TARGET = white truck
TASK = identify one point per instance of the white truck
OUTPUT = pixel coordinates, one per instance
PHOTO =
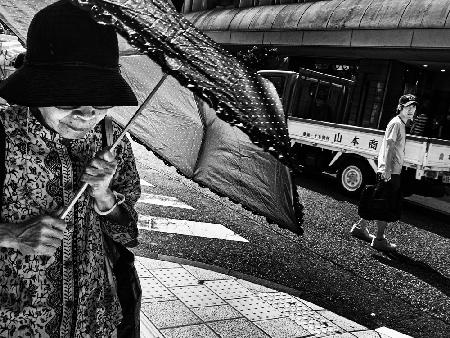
(351, 152)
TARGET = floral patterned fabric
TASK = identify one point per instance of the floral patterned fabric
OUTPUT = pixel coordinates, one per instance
(68, 294)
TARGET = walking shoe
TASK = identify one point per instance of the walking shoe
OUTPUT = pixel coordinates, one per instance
(361, 233)
(383, 245)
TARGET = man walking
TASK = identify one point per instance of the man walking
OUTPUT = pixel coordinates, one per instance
(390, 163)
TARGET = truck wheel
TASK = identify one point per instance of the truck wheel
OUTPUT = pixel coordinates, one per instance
(353, 176)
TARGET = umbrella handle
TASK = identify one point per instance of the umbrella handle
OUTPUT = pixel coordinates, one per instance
(136, 114)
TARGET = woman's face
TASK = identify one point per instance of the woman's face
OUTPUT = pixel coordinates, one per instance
(72, 122)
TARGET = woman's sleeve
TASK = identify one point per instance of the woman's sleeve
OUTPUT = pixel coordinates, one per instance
(126, 182)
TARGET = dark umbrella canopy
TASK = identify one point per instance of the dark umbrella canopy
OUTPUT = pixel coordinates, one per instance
(197, 62)
(188, 134)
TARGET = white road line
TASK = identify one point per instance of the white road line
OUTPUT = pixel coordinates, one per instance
(166, 201)
(145, 183)
(190, 228)
(391, 333)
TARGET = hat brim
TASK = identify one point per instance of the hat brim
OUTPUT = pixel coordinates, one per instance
(410, 103)
(77, 85)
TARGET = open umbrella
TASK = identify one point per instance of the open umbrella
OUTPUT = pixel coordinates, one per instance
(186, 132)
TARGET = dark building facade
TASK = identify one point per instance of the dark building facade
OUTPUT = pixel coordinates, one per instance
(365, 52)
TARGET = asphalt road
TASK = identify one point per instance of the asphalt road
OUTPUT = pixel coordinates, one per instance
(409, 292)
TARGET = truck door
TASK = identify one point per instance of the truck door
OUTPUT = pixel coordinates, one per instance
(285, 84)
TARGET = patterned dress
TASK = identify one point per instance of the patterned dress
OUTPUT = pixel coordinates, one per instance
(68, 294)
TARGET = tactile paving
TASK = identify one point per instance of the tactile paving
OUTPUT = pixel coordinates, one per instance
(303, 315)
(151, 264)
(228, 289)
(197, 296)
(316, 324)
(142, 271)
(152, 289)
(255, 308)
(285, 303)
(174, 277)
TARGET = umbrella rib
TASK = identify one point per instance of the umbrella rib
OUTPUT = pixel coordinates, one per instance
(136, 114)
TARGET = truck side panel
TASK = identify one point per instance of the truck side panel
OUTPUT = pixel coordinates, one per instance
(349, 139)
(438, 156)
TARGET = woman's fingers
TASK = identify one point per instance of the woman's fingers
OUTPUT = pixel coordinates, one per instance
(58, 212)
(93, 171)
(45, 250)
(106, 154)
(51, 242)
(100, 163)
(54, 223)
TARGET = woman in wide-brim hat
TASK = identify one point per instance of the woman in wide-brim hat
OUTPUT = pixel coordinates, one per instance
(55, 279)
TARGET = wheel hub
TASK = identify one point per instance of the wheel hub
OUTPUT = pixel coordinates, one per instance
(352, 178)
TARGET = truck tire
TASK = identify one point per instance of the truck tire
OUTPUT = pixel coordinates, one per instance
(353, 175)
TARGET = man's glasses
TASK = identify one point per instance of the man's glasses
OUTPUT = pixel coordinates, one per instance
(76, 107)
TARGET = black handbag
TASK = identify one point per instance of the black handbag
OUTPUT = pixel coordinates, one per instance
(128, 287)
(380, 202)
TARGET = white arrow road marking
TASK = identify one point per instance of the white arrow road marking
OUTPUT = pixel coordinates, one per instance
(145, 183)
(166, 201)
(190, 228)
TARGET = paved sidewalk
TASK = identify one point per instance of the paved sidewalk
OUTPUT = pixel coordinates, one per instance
(185, 301)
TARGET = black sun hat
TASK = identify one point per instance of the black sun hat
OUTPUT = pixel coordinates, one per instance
(70, 60)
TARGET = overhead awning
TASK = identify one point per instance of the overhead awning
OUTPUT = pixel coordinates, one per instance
(17, 15)
(399, 24)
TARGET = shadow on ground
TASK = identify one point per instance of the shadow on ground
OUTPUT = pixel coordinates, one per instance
(416, 215)
(419, 269)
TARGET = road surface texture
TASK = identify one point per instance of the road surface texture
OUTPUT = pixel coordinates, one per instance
(408, 292)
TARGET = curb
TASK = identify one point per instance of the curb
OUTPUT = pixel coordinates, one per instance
(229, 272)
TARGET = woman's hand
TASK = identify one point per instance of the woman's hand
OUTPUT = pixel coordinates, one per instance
(41, 235)
(99, 173)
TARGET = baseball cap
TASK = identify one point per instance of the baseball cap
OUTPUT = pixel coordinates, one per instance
(407, 100)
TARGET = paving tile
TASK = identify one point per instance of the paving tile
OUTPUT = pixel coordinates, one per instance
(340, 321)
(214, 313)
(316, 324)
(254, 308)
(254, 287)
(174, 277)
(197, 296)
(301, 313)
(191, 331)
(147, 329)
(141, 270)
(282, 328)
(153, 290)
(341, 335)
(156, 264)
(228, 289)
(369, 334)
(285, 303)
(169, 314)
(311, 305)
(204, 274)
(237, 328)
